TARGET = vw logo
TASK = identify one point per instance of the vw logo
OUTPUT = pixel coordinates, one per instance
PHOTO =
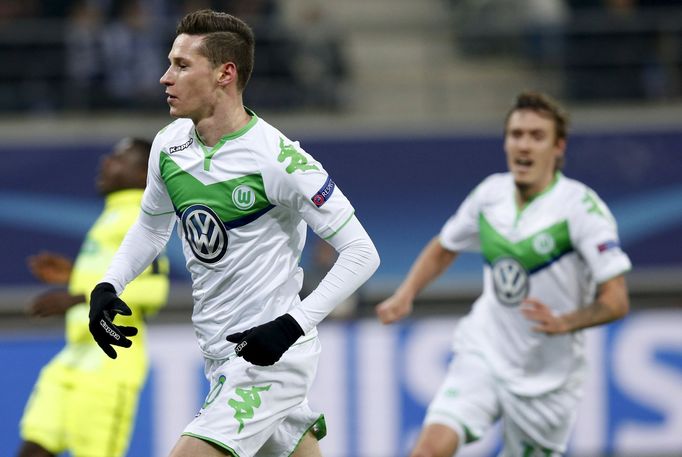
(205, 233)
(243, 197)
(510, 280)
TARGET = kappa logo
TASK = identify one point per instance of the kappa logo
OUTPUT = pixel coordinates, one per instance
(205, 233)
(109, 330)
(243, 197)
(185, 145)
(297, 161)
(510, 280)
(240, 347)
(250, 400)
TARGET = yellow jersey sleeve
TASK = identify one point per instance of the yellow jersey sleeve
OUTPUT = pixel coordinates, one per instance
(145, 295)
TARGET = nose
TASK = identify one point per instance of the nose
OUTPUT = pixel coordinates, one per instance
(524, 143)
(165, 78)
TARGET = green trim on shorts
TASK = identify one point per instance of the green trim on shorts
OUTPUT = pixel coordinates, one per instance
(212, 441)
(318, 429)
(469, 436)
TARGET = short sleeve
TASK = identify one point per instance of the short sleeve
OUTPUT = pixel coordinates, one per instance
(595, 236)
(156, 200)
(461, 230)
(296, 180)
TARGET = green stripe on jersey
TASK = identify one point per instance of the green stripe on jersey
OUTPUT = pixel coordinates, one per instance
(232, 199)
(533, 252)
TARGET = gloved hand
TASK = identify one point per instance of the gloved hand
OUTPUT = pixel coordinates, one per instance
(265, 343)
(104, 305)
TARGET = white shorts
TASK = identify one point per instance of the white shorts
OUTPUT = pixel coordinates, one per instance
(260, 411)
(470, 400)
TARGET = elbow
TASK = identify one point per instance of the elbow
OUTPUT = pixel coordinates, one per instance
(623, 308)
(617, 309)
(375, 260)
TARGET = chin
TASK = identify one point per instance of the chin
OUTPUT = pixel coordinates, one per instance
(521, 183)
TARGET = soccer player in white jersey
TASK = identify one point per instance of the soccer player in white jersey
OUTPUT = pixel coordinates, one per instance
(242, 194)
(549, 243)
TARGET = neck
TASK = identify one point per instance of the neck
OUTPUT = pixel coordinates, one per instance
(222, 122)
(527, 192)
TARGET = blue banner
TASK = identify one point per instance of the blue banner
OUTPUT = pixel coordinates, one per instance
(403, 190)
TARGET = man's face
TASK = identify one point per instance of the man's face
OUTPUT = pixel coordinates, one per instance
(191, 80)
(532, 149)
(120, 169)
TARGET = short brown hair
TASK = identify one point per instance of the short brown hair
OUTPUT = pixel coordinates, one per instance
(544, 105)
(228, 39)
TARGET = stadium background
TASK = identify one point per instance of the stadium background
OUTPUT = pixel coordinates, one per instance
(403, 103)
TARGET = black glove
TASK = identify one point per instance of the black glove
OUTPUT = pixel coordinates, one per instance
(265, 343)
(104, 305)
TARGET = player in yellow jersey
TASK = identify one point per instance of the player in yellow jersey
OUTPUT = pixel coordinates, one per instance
(84, 402)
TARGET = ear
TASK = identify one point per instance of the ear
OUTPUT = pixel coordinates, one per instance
(227, 74)
(560, 150)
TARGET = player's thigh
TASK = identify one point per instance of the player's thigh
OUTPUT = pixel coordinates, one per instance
(299, 432)
(308, 447)
(43, 419)
(101, 417)
(466, 402)
(189, 446)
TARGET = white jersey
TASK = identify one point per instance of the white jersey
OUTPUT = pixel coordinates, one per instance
(554, 250)
(242, 208)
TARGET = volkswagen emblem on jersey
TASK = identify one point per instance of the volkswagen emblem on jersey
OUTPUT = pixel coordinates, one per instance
(544, 243)
(510, 280)
(205, 233)
(243, 197)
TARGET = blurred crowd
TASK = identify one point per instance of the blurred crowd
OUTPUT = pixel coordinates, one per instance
(602, 49)
(110, 54)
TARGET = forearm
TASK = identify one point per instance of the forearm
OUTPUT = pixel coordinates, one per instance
(358, 260)
(611, 304)
(142, 244)
(431, 263)
(77, 299)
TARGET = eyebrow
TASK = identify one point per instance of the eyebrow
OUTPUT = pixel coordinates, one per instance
(530, 130)
(172, 57)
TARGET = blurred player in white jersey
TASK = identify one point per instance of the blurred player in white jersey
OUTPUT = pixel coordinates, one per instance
(242, 193)
(549, 243)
